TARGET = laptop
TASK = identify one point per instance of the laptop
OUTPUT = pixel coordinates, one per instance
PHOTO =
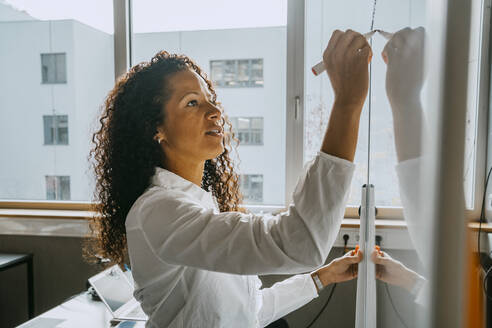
(116, 291)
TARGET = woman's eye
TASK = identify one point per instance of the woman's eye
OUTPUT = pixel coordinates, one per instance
(192, 102)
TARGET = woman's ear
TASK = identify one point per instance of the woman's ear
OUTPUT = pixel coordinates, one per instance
(160, 136)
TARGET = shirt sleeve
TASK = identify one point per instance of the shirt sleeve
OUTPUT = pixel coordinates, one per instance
(409, 175)
(181, 231)
(285, 297)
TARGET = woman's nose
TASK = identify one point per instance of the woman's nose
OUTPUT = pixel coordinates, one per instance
(214, 113)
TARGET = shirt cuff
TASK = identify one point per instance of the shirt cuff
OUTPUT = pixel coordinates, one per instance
(408, 165)
(310, 286)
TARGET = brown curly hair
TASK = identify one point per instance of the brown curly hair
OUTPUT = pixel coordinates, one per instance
(125, 153)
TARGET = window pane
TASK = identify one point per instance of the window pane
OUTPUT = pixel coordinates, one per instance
(257, 71)
(64, 188)
(249, 130)
(49, 131)
(48, 68)
(243, 72)
(243, 123)
(50, 188)
(321, 20)
(53, 68)
(230, 73)
(252, 188)
(217, 72)
(67, 70)
(61, 76)
(257, 123)
(62, 130)
(232, 49)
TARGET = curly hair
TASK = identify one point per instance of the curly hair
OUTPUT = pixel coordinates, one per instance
(125, 153)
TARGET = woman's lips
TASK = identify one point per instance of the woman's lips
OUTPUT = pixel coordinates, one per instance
(215, 134)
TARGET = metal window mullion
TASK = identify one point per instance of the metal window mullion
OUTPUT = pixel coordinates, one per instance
(295, 95)
(56, 141)
(236, 72)
(250, 81)
(122, 36)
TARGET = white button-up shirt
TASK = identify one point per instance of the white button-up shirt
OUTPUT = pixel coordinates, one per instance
(196, 267)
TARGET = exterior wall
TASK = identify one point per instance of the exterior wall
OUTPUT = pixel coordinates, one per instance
(9, 13)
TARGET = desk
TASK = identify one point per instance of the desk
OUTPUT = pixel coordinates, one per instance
(80, 311)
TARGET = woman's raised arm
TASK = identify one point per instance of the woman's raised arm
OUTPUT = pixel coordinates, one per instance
(181, 232)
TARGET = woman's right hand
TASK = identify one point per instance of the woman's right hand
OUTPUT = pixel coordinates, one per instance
(346, 59)
(392, 271)
(404, 56)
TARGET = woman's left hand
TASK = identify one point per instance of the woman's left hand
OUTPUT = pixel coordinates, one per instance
(340, 269)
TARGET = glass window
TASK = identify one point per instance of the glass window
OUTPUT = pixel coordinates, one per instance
(322, 18)
(256, 72)
(55, 129)
(67, 69)
(232, 50)
(57, 187)
(248, 130)
(243, 72)
(53, 68)
(237, 73)
(252, 188)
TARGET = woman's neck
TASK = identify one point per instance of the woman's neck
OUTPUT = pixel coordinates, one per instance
(186, 168)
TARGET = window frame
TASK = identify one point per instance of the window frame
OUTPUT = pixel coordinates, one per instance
(249, 177)
(55, 57)
(250, 83)
(56, 135)
(294, 114)
(58, 180)
(250, 130)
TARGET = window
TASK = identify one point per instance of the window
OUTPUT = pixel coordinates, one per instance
(57, 187)
(55, 129)
(249, 130)
(53, 49)
(54, 68)
(252, 187)
(232, 52)
(237, 73)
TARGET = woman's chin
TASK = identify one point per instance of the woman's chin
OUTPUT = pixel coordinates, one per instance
(217, 152)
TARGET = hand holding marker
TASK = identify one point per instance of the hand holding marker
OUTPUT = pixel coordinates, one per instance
(320, 67)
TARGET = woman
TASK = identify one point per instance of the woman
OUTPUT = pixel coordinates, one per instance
(167, 187)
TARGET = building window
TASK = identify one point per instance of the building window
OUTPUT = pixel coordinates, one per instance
(237, 73)
(54, 68)
(57, 187)
(252, 187)
(249, 130)
(55, 129)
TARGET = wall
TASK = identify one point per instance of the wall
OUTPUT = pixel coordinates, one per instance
(59, 272)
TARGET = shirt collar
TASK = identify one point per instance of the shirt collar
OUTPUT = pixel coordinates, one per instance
(169, 180)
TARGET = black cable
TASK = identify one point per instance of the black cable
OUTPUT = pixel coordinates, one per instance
(345, 242)
(378, 242)
(324, 306)
(393, 305)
